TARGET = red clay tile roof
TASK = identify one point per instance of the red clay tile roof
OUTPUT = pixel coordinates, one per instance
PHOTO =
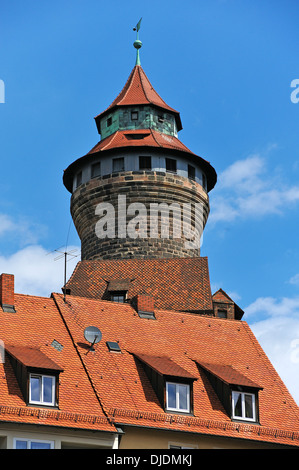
(139, 91)
(127, 394)
(32, 357)
(28, 334)
(101, 388)
(176, 283)
(150, 138)
(164, 366)
(228, 374)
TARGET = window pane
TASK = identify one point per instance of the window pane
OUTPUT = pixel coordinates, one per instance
(183, 397)
(48, 392)
(171, 395)
(118, 164)
(145, 163)
(40, 445)
(248, 406)
(35, 387)
(238, 404)
(191, 172)
(96, 170)
(21, 444)
(170, 164)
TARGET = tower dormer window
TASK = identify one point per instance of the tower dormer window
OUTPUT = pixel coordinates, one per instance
(79, 179)
(109, 121)
(171, 165)
(134, 115)
(145, 163)
(118, 164)
(96, 170)
(191, 172)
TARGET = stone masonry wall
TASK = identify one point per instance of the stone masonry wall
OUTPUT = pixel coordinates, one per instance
(141, 187)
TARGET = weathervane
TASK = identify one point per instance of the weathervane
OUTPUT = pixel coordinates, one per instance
(137, 43)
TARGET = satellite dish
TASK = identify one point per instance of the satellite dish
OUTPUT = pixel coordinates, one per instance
(93, 335)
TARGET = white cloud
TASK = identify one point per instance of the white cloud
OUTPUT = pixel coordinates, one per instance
(295, 280)
(36, 271)
(246, 189)
(278, 334)
(21, 229)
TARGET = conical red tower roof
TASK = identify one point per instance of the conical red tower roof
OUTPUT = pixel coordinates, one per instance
(139, 91)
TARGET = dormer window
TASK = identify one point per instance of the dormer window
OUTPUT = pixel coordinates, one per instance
(37, 375)
(119, 297)
(134, 115)
(237, 393)
(42, 389)
(173, 384)
(243, 406)
(109, 121)
(178, 397)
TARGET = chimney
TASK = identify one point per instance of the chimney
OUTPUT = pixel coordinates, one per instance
(144, 304)
(7, 292)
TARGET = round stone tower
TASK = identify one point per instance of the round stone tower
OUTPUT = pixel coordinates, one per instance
(139, 192)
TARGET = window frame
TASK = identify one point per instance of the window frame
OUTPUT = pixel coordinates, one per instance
(29, 441)
(167, 160)
(41, 389)
(133, 114)
(79, 176)
(192, 169)
(93, 166)
(143, 157)
(177, 409)
(118, 159)
(118, 294)
(253, 406)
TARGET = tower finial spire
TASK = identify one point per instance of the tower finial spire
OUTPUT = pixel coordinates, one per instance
(137, 43)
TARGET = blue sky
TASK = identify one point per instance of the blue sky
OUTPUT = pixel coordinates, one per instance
(227, 66)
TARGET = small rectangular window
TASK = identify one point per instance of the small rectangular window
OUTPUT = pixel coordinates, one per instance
(170, 165)
(134, 115)
(79, 179)
(222, 313)
(145, 163)
(96, 169)
(109, 121)
(118, 164)
(32, 444)
(243, 406)
(177, 397)
(118, 297)
(42, 389)
(204, 181)
(191, 172)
